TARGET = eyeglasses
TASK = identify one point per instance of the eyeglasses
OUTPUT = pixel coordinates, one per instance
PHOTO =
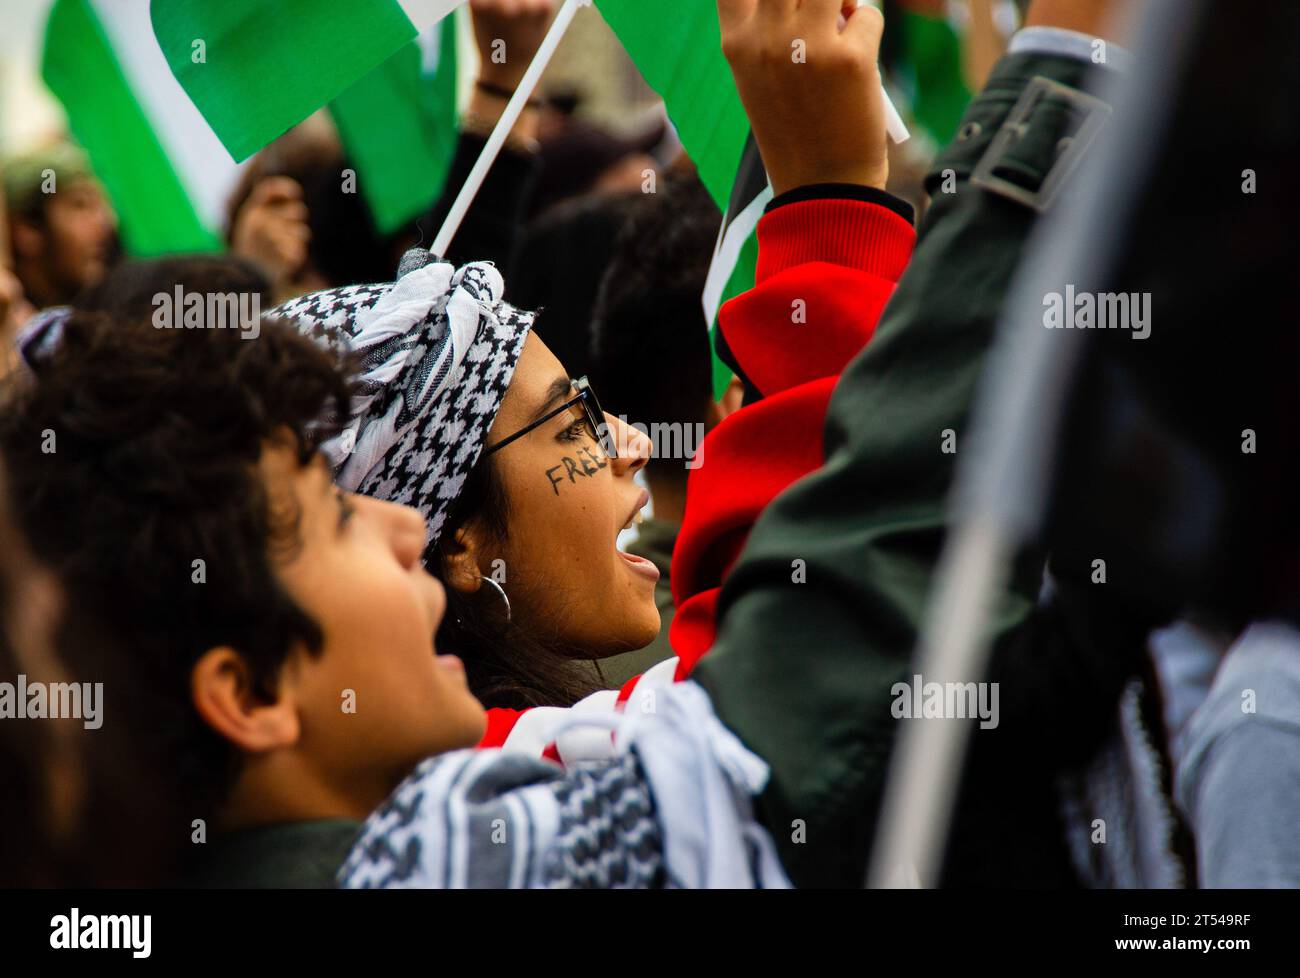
(592, 416)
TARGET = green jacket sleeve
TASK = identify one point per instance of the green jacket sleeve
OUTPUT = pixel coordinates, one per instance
(807, 652)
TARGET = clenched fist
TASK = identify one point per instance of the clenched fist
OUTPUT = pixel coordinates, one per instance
(508, 33)
(271, 229)
(811, 88)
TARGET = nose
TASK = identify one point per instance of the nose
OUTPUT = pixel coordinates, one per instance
(634, 448)
(405, 528)
(105, 219)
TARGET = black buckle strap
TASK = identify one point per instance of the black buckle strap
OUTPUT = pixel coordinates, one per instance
(992, 171)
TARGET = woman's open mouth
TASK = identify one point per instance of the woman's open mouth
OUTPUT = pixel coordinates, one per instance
(641, 502)
(640, 565)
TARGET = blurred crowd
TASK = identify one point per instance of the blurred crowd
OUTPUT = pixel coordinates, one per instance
(393, 569)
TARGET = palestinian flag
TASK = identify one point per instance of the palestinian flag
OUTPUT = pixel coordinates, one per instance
(399, 126)
(677, 47)
(254, 68)
(164, 170)
(927, 64)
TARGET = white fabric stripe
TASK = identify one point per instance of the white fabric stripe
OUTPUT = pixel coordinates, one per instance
(585, 744)
(535, 730)
(521, 844)
(435, 842)
(1066, 43)
(202, 164)
(426, 13)
(458, 818)
(731, 240)
(543, 827)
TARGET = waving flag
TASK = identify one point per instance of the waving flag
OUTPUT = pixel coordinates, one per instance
(399, 125)
(930, 69)
(677, 47)
(256, 67)
(163, 168)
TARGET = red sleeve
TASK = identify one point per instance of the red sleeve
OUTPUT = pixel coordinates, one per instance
(826, 268)
(500, 721)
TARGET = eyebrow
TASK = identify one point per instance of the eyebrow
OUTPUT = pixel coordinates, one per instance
(561, 389)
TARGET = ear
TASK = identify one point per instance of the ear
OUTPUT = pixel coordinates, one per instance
(222, 689)
(732, 399)
(462, 553)
(27, 239)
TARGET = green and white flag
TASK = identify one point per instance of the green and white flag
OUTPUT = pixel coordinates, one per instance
(399, 125)
(254, 68)
(164, 170)
(677, 47)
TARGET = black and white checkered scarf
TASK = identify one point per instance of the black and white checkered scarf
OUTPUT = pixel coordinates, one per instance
(438, 349)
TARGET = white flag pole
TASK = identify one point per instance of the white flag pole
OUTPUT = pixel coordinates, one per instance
(514, 108)
(894, 124)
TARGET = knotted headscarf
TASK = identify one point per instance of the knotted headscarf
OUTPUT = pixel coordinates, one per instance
(438, 349)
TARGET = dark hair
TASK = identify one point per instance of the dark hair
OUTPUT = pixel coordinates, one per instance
(129, 288)
(649, 313)
(27, 848)
(561, 260)
(133, 454)
(506, 665)
(74, 813)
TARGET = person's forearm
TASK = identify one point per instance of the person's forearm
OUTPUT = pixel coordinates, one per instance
(1095, 17)
(487, 105)
(491, 228)
(804, 667)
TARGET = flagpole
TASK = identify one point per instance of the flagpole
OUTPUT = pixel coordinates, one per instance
(514, 108)
(894, 124)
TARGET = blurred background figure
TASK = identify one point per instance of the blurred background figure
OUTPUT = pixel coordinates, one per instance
(291, 216)
(559, 265)
(14, 307)
(579, 157)
(61, 226)
(650, 351)
(38, 779)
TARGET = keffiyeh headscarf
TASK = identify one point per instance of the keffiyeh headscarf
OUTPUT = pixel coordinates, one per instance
(438, 349)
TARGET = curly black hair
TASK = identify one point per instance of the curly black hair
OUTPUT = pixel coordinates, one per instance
(132, 454)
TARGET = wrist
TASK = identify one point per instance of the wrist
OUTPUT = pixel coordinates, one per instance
(485, 110)
(503, 93)
(785, 179)
(499, 76)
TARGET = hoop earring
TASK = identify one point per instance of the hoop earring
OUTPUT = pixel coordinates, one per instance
(501, 591)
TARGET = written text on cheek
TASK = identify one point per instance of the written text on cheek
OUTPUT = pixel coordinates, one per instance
(586, 464)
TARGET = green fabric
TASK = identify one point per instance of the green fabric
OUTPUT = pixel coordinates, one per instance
(802, 672)
(677, 47)
(654, 541)
(399, 127)
(80, 68)
(268, 64)
(936, 82)
(289, 856)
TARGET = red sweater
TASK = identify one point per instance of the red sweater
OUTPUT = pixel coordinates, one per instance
(826, 268)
